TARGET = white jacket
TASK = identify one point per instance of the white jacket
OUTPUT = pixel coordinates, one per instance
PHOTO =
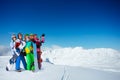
(12, 47)
(22, 44)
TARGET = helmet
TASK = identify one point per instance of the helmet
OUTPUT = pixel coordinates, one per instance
(31, 34)
(13, 36)
(26, 34)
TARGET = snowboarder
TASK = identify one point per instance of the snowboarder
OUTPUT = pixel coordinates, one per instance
(15, 54)
(19, 50)
(38, 43)
(29, 53)
(35, 53)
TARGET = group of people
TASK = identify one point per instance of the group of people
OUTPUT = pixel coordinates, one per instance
(23, 50)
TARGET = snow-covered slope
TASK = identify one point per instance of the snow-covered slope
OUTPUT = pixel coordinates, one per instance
(54, 72)
(70, 64)
(98, 58)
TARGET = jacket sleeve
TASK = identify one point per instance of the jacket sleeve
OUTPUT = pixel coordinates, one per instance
(15, 51)
(42, 39)
(22, 45)
(12, 47)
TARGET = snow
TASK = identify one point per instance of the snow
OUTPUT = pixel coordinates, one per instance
(70, 63)
(56, 72)
(98, 58)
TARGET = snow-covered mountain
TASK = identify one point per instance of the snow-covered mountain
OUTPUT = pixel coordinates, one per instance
(98, 58)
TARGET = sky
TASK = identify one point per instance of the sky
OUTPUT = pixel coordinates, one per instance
(67, 23)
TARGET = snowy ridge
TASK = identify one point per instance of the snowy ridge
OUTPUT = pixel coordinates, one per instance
(98, 58)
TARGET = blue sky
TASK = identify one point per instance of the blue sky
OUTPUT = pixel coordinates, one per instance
(86, 23)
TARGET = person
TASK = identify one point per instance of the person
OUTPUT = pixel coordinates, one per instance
(29, 53)
(42, 38)
(14, 53)
(20, 44)
(34, 52)
(38, 43)
(12, 46)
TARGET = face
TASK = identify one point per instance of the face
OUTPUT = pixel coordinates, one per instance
(35, 36)
(27, 38)
(31, 37)
(14, 38)
(20, 36)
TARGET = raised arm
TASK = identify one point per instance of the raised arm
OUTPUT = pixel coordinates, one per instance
(42, 38)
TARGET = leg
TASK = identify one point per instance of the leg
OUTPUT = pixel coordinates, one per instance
(11, 61)
(39, 59)
(15, 57)
(18, 63)
(32, 61)
(23, 61)
(28, 58)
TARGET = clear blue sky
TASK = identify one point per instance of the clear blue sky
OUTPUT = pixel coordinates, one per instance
(86, 23)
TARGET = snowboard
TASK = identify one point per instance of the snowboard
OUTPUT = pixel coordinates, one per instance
(11, 62)
(35, 57)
